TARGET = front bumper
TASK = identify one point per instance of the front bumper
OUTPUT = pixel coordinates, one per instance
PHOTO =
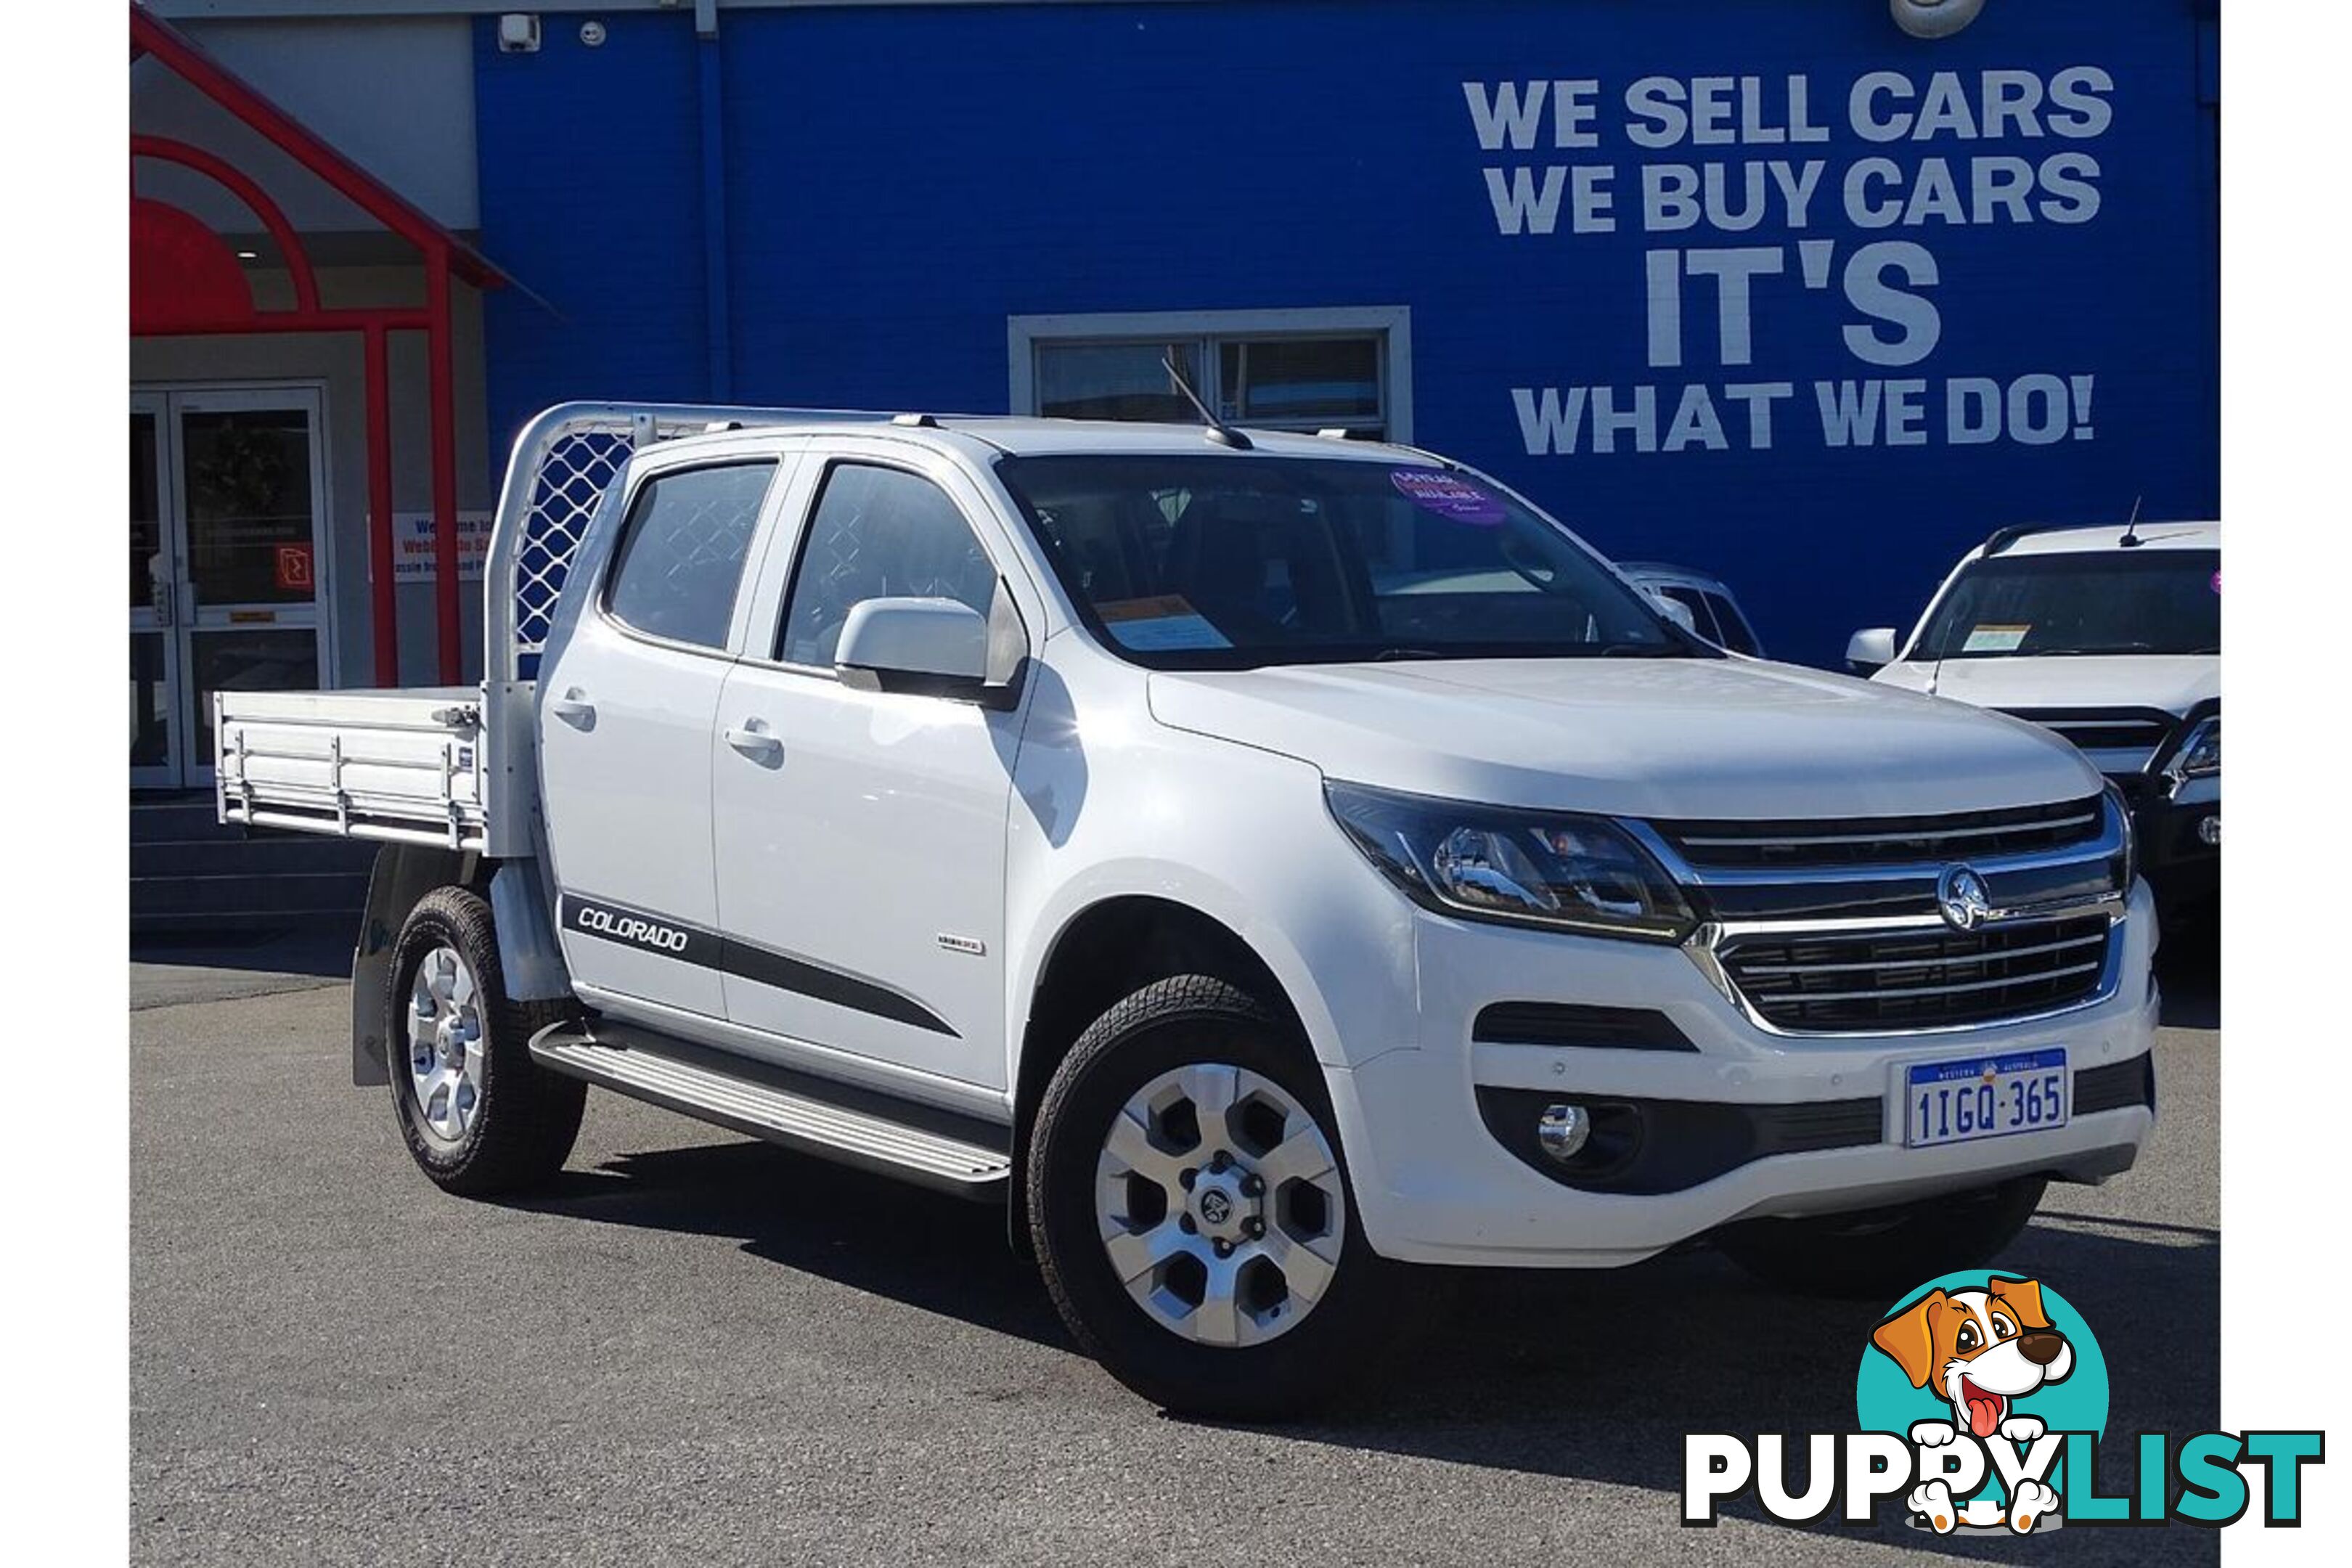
(1435, 1185)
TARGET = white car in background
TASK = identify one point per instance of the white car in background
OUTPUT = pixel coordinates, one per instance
(2112, 638)
(1715, 614)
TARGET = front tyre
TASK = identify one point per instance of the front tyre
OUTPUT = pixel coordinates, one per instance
(1190, 1206)
(1881, 1255)
(481, 1117)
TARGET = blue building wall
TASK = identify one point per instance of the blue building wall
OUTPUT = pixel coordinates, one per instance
(893, 183)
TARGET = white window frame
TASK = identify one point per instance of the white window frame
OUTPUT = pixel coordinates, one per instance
(1392, 323)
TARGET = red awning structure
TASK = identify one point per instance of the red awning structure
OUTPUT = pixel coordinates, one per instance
(186, 280)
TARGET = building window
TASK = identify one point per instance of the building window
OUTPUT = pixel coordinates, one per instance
(1279, 370)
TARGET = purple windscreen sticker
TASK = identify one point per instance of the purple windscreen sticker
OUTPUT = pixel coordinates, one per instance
(2217, 582)
(1433, 489)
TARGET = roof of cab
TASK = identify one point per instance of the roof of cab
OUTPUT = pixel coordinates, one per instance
(2108, 536)
(1030, 437)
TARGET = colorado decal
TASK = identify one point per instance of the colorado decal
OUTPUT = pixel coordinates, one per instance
(613, 923)
(745, 960)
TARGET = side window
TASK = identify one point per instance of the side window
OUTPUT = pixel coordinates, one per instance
(878, 533)
(682, 551)
(1693, 601)
(1738, 636)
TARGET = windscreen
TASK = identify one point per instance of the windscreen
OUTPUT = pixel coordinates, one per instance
(2107, 602)
(1232, 560)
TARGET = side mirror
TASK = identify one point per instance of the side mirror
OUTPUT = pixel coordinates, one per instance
(1868, 652)
(1673, 610)
(932, 646)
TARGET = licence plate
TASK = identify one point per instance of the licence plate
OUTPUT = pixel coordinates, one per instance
(1984, 1097)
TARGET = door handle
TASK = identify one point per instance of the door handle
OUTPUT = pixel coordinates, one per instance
(574, 709)
(755, 740)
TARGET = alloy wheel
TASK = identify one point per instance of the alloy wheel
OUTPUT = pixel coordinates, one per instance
(445, 1044)
(1220, 1205)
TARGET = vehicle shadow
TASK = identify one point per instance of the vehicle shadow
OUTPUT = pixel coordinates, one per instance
(926, 1249)
(1597, 1377)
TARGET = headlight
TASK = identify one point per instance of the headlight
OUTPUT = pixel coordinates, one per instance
(2199, 756)
(1529, 868)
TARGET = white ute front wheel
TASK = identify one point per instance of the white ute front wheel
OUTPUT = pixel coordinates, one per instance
(1188, 1203)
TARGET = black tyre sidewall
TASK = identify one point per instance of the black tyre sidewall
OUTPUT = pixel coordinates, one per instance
(1169, 1025)
(525, 1114)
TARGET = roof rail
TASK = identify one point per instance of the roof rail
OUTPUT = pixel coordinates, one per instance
(2003, 538)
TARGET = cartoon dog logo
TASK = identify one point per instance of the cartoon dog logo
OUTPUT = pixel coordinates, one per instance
(1980, 1351)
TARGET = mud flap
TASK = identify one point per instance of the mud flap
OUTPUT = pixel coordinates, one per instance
(403, 874)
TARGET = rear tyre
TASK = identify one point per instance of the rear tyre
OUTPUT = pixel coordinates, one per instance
(1190, 1207)
(481, 1117)
(1883, 1253)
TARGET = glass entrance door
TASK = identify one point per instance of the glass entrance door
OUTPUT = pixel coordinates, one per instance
(226, 539)
(155, 742)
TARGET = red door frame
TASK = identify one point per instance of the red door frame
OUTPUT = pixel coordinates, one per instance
(162, 306)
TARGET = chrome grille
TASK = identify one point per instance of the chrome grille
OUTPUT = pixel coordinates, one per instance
(1918, 977)
(1882, 841)
(2140, 730)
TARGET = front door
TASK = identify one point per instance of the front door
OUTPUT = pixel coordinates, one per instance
(227, 554)
(860, 834)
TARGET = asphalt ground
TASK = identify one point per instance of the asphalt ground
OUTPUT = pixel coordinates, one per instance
(700, 1348)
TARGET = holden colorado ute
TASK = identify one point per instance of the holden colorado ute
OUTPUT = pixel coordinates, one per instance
(1259, 862)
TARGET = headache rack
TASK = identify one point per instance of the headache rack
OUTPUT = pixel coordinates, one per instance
(455, 767)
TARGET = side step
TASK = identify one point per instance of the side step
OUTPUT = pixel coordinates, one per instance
(933, 1147)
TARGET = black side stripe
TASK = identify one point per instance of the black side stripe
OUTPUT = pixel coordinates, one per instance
(667, 938)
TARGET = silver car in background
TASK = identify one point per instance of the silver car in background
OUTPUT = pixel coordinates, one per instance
(1715, 614)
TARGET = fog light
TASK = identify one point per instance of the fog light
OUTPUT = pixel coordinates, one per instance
(1562, 1131)
(2208, 832)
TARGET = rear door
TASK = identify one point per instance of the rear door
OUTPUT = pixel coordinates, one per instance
(861, 833)
(627, 706)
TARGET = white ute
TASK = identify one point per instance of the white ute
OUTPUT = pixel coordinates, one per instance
(1259, 861)
(2112, 638)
